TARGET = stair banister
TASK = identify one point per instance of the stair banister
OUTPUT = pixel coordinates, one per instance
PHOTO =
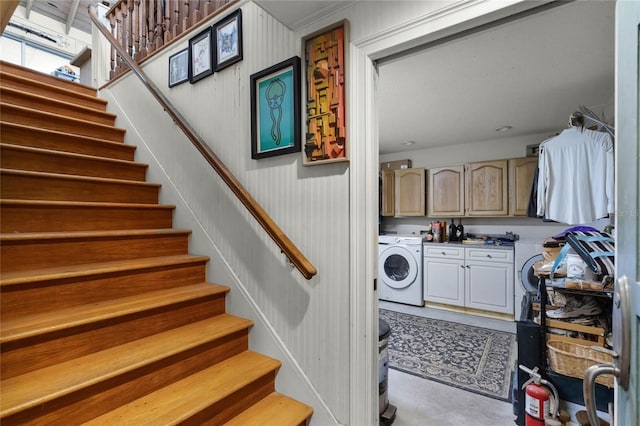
(289, 249)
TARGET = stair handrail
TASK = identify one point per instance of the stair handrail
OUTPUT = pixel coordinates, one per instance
(287, 247)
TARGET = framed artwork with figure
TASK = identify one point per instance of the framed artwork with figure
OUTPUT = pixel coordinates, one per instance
(179, 67)
(201, 55)
(275, 110)
(228, 40)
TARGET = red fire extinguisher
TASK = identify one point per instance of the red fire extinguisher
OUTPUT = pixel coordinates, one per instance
(538, 399)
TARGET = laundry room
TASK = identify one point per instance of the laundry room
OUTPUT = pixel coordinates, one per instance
(467, 126)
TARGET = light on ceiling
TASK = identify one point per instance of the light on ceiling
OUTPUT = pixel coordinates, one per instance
(408, 143)
(504, 129)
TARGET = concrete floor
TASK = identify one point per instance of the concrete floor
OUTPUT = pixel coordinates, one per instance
(422, 402)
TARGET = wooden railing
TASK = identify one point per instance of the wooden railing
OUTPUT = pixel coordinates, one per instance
(144, 26)
(289, 249)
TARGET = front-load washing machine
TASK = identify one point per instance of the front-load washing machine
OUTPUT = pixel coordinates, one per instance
(526, 254)
(400, 269)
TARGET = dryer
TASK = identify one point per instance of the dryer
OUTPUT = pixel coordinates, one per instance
(400, 266)
(526, 254)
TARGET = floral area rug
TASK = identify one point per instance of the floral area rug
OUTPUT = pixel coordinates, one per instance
(472, 358)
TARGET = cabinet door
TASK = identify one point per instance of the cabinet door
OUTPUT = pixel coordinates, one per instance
(388, 193)
(486, 188)
(446, 191)
(444, 281)
(521, 174)
(410, 192)
(489, 286)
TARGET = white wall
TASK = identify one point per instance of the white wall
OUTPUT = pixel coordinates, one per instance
(452, 155)
(309, 317)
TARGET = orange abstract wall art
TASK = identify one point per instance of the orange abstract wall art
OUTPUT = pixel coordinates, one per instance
(325, 106)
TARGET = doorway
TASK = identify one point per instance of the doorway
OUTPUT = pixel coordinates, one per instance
(452, 123)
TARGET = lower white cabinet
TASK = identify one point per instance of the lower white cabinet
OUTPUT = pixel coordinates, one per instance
(478, 278)
(444, 274)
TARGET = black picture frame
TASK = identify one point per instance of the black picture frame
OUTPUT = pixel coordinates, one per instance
(227, 35)
(275, 110)
(201, 55)
(179, 67)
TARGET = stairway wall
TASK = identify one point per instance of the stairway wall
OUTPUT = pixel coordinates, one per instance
(303, 323)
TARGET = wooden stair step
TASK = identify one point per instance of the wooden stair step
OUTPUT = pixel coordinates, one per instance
(49, 289)
(39, 77)
(18, 134)
(27, 185)
(44, 89)
(19, 157)
(59, 123)
(214, 395)
(55, 106)
(33, 250)
(82, 376)
(51, 322)
(274, 409)
(73, 216)
(33, 342)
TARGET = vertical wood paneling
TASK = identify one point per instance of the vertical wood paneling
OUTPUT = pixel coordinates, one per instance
(309, 203)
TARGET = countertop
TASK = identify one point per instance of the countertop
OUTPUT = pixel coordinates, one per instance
(459, 244)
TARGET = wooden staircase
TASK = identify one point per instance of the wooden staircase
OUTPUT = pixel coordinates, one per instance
(106, 317)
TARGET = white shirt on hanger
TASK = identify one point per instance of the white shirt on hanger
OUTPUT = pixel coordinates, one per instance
(575, 177)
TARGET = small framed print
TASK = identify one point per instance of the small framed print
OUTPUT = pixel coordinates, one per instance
(179, 67)
(201, 56)
(228, 40)
(275, 110)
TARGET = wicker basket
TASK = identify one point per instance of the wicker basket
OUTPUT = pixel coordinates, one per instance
(572, 360)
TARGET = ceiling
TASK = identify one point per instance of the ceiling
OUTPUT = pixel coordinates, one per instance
(529, 72)
(72, 13)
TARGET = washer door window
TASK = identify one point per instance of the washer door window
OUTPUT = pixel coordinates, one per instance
(397, 267)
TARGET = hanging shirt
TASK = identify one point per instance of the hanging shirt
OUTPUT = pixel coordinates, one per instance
(575, 177)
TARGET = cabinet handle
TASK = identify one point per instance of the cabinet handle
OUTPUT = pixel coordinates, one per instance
(489, 256)
(462, 266)
(444, 254)
(468, 267)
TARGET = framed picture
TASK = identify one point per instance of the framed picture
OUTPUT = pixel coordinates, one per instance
(326, 132)
(179, 67)
(201, 55)
(228, 40)
(275, 110)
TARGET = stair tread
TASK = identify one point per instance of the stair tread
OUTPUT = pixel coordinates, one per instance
(90, 204)
(88, 139)
(94, 269)
(196, 392)
(48, 322)
(77, 177)
(55, 116)
(71, 155)
(274, 409)
(60, 103)
(56, 236)
(40, 78)
(37, 387)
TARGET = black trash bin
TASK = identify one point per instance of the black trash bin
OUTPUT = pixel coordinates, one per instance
(387, 411)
